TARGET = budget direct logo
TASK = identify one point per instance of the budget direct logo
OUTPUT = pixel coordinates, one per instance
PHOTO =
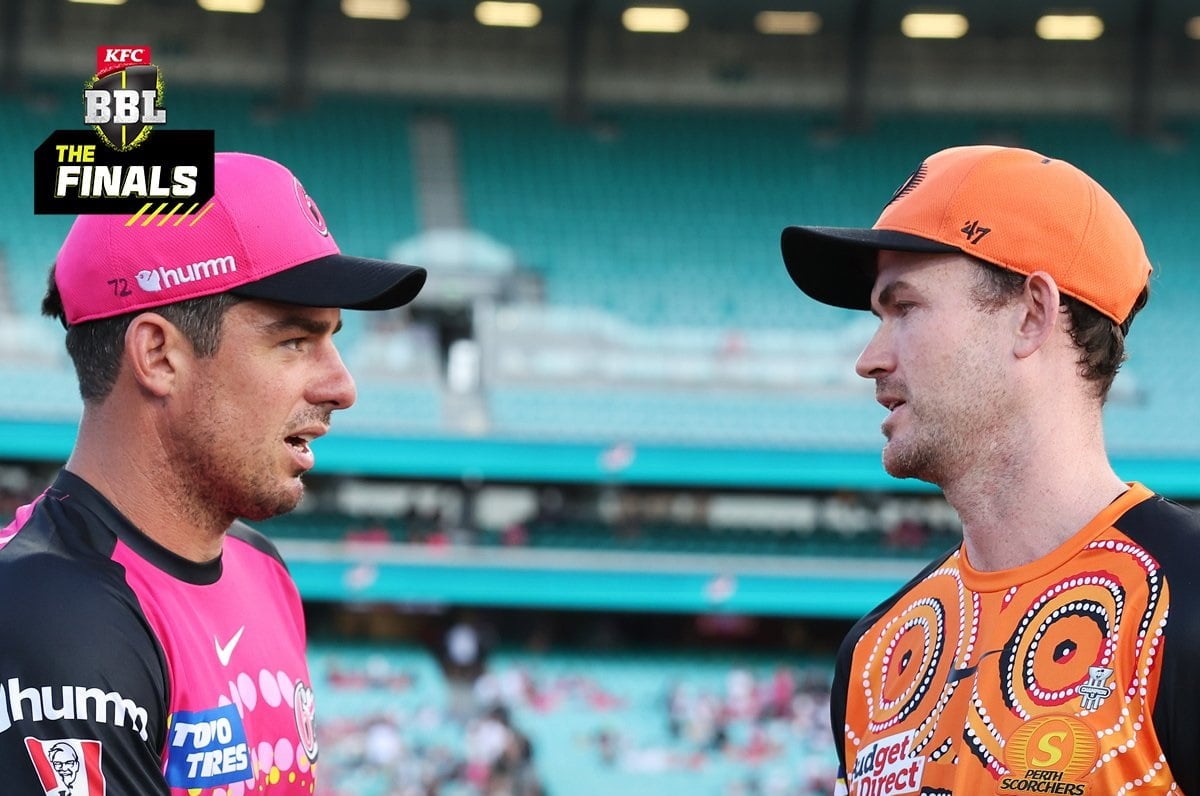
(123, 101)
(888, 767)
(128, 161)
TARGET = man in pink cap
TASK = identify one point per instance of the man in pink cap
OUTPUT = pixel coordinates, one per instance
(159, 639)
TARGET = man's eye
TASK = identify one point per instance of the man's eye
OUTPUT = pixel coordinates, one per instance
(296, 343)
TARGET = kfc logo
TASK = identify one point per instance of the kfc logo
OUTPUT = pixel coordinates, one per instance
(112, 59)
(67, 766)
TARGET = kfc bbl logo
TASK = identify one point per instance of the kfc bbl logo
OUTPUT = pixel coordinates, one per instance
(126, 162)
(67, 766)
(124, 100)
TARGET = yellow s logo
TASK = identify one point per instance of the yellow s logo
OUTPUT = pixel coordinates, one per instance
(1053, 752)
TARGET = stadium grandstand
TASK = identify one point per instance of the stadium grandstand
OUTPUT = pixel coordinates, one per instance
(611, 492)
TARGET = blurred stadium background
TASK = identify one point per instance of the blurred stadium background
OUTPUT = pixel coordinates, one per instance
(612, 492)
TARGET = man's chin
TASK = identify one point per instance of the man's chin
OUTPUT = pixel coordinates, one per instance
(281, 503)
(900, 463)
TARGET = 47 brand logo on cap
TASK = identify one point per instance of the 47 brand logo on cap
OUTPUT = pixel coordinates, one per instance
(126, 163)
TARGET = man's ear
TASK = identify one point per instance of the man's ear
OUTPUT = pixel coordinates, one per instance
(155, 351)
(1039, 304)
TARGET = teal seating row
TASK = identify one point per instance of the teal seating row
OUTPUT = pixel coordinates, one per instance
(729, 541)
(678, 416)
(646, 538)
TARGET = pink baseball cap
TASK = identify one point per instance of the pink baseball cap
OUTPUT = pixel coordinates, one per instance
(260, 236)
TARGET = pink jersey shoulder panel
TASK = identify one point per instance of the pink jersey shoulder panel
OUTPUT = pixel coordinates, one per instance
(241, 703)
(22, 516)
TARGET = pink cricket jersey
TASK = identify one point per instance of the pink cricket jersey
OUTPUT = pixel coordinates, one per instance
(127, 670)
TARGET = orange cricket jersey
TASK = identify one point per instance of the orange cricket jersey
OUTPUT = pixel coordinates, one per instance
(1075, 675)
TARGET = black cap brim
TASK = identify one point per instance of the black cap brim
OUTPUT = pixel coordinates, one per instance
(836, 265)
(353, 283)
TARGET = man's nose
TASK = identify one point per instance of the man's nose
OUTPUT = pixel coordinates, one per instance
(333, 386)
(877, 358)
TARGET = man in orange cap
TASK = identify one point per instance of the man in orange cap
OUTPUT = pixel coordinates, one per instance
(1052, 652)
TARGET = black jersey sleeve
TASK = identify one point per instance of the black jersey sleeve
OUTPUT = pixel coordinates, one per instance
(841, 685)
(257, 540)
(1171, 533)
(83, 681)
(845, 658)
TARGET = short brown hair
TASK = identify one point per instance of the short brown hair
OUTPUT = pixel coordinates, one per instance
(95, 347)
(1100, 340)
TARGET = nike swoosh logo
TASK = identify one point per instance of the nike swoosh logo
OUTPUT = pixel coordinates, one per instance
(226, 652)
(962, 674)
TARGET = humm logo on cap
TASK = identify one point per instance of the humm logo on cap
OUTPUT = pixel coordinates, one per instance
(152, 280)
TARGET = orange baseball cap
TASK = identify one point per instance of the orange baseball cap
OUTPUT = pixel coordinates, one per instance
(1010, 207)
